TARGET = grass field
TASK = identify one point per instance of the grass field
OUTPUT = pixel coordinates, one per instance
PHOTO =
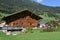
(36, 35)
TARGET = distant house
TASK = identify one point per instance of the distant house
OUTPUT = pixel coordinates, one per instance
(24, 18)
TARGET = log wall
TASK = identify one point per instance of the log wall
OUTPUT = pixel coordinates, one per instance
(25, 22)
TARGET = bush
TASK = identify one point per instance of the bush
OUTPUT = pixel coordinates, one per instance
(47, 29)
(29, 29)
(51, 26)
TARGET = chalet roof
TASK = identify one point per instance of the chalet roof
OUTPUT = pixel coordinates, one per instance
(21, 14)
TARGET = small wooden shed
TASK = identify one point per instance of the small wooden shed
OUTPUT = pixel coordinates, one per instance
(24, 18)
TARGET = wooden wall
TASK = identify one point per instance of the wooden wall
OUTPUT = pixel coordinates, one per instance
(25, 22)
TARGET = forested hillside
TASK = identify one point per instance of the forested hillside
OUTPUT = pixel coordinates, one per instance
(11, 6)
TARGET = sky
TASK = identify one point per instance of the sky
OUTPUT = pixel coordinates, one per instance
(49, 2)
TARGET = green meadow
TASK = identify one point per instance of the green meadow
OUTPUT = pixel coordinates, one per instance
(36, 35)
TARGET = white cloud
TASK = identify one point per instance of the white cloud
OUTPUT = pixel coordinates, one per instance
(38, 1)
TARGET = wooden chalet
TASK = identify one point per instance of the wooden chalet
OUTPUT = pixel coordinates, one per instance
(22, 19)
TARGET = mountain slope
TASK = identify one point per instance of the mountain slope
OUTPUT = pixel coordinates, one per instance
(11, 6)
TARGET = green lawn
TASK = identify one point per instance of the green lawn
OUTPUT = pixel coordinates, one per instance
(36, 35)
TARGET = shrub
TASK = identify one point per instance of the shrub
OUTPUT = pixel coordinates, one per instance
(51, 26)
(47, 29)
(29, 29)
